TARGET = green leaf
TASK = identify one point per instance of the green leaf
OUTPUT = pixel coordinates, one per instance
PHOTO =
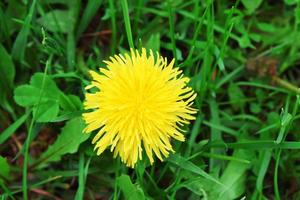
(198, 186)
(27, 95)
(251, 5)
(50, 86)
(46, 111)
(4, 172)
(234, 175)
(68, 141)
(57, 21)
(204, 188)
(232, 180)
(244, 42)
(32, 95)
(266, 27)
(130, 191)
(70, 103)
(255, 37)
(67, 116)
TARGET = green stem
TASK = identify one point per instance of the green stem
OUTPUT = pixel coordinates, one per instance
(28, 139)
(287, 85)
(276, 189)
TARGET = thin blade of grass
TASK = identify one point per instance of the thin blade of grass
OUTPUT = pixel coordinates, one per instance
(13, 127)
(124, 6)
(88, 14)
(81, 176)
(221, 128)
(194, 133)
(19, 46)
(113, 26)
(172, 30)
(71, 51)
(260, 85)
(264, 165)
(189, 166)
(229, 77)
(257, 144)
(216, 133)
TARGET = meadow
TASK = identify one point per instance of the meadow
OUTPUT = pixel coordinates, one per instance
(242, 59)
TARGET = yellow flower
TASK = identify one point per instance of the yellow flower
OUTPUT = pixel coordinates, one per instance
(141, 103)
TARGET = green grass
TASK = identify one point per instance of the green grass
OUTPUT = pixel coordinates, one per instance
(242, 58)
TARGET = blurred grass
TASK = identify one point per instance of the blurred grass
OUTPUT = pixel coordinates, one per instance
(242, 58)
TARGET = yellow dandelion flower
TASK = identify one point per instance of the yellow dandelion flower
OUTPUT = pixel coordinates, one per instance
(141, 103)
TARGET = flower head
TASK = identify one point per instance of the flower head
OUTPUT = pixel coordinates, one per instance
(141, 103)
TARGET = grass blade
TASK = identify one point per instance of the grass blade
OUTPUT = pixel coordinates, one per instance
(172, 30)
(20, 44)
(127, 22)
(12, 128)
(81, 177)
(88, 14)
(189, 166)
